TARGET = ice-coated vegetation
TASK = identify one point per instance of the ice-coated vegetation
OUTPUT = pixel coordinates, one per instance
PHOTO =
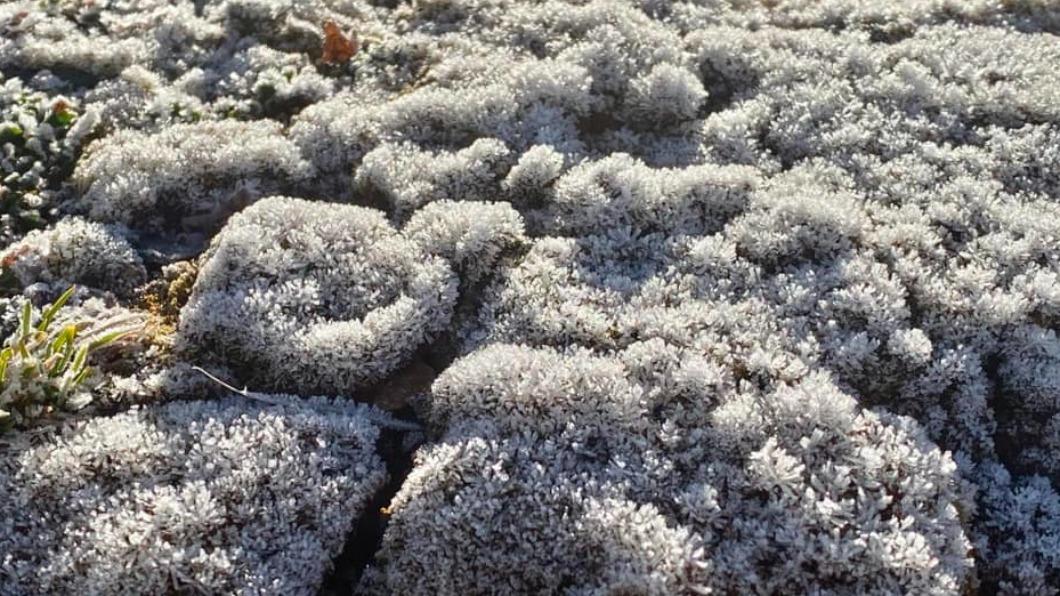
(308, 296)
(589, 482)
(76, 251)
(472, 236)
(193, 497)
(717, 296)
(44, 363)
(188, 175)
(396, 174)
(41, 132)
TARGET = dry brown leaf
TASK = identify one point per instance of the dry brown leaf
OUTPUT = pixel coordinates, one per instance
(12, 256)
(17, 18)
(338, 49)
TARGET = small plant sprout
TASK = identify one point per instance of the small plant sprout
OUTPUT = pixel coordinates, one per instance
(44, 369)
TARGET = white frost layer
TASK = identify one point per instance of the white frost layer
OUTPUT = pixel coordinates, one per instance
(209, 497)
(77, 251)
(312, 297)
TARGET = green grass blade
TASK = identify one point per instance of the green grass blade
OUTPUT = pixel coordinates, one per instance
(5, 358)
(80, 358)
(64, 337)
(49, 314)
(109, 338)
(27, 314)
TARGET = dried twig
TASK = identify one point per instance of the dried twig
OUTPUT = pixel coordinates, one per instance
(379, 418)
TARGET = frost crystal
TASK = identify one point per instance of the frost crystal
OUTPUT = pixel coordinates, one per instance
(187, 176)
(471, 236)
(76, 251)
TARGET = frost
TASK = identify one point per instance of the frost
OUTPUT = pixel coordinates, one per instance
(1020, 533)
(76, 251)
(666, 94)
(718, 294)
(222, 496)
(186, 173)
(471, 236)
(530, 178)
(475, 506)
(261, 80)
(572, 469)
(621, 191)
(49, 40)
(540, 390)
(304, 296)
(471, 174)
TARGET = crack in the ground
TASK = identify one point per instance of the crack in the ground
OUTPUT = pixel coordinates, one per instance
(367, 535)
(366, 538)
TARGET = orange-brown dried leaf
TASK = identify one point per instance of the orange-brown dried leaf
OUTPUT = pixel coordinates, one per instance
(13, 256)
(338, 49)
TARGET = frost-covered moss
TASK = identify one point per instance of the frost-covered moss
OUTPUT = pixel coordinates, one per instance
(396, 174)
(474, 506)
(758, 237)
(472, 236)
(76, 251)
(314, 297)
(221, 496)
(1018, 531)
(187, 176)
(558, 466)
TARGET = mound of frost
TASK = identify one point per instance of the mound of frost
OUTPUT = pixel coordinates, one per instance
(207, 497)
(560, 466)
(475, 506)
(188, 176)
(1019, 532)
(815, 192)
(745, 245)
(396, 174)
(472, 236)
(313, 297)
(76, 251)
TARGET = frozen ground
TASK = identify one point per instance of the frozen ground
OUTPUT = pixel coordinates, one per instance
(721, 296)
